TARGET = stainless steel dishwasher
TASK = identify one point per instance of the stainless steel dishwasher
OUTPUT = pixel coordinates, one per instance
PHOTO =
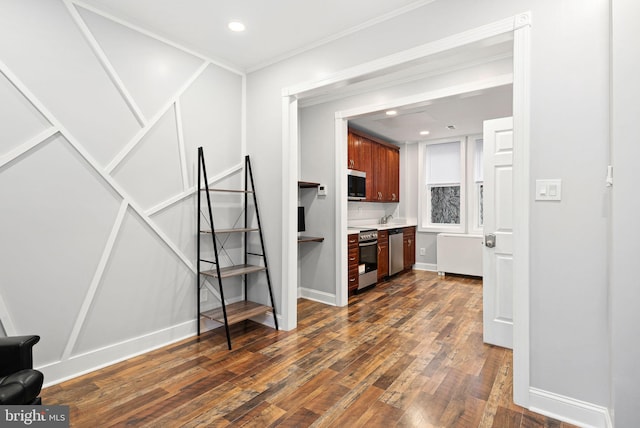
(396, 251)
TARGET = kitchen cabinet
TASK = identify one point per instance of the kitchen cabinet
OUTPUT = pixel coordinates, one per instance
(409, 240)
(383, 254)
(380, 160)
(386, 166)
(393, 175)
(380, 169)
(359, 152)
(352, 262)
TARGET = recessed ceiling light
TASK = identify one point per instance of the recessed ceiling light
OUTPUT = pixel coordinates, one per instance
(391, 112)
(424, 132)
(236, 26)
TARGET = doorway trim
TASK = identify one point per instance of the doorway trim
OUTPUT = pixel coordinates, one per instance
(520, 26)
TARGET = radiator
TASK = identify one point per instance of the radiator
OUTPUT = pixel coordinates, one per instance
(459, 253)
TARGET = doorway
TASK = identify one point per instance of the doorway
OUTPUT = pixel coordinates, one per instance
(515, 28)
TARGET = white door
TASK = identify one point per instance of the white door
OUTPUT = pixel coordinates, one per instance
(498, 232)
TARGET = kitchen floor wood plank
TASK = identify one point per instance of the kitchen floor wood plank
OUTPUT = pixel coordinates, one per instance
(351, 415)
(503, 418)
(380, 415)
(260, 417)
(406, 353)
(300, 418)
(306, 391)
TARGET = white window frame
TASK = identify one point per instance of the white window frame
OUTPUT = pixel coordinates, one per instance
(473, 209)
(424, 194)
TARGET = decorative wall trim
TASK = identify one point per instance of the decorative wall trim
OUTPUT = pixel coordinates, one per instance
(95, 282)
(94, 360)
(106, 64)
(156, 36)
(90, 160)
(117, 160)
(70, 365)
(317, 296)
(181, 147)
(569, 409)
(190, 191)
(30, 144)
(431, 267)
(5, 319)
(522, 20)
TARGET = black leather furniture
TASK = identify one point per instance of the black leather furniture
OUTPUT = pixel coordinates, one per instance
(20, 384)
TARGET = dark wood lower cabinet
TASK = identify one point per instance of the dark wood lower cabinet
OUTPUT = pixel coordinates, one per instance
(409, 239)
(353, 260)
(383, 254)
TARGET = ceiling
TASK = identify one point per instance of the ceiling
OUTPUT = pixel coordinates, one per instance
(278, 29)
(275, 29)
(465, 112)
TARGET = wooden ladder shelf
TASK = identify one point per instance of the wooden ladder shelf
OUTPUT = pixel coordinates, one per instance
(229, 314)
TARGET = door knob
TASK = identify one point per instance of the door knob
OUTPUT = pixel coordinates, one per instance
(490, 240)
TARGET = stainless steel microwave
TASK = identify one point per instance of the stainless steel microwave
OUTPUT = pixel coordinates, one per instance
(356, 185)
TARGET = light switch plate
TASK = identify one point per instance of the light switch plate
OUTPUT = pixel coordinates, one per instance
(549, 190)
(322, 190)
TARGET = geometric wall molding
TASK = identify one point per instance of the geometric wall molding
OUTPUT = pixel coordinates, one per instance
(91, 132)
(16, 109)
(150, 70)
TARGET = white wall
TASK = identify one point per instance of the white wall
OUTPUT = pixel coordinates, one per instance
(625, 293)
(97, 218)
(569, 133)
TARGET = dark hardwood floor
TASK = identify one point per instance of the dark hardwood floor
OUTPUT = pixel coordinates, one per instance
(407, 353)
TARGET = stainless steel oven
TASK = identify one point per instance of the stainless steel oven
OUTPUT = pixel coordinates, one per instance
(368, 252)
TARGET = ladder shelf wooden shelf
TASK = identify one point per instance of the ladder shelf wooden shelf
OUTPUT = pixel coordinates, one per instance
(231, 313)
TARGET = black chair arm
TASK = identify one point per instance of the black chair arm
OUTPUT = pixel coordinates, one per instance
(16, 353)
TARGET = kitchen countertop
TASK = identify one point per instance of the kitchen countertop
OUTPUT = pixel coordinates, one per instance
(384, 226)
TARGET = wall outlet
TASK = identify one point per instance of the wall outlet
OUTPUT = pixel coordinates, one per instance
(423, 252)
(204, 295)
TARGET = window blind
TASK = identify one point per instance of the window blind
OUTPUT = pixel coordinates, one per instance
(443, 163)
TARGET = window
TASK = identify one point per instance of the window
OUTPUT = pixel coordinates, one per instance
(478, 186)
(452, 185)
(443, 196)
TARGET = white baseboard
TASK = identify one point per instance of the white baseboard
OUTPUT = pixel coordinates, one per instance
(267, 319)
(568, 409)
(78, 365)
(317, 296)
(431, 267)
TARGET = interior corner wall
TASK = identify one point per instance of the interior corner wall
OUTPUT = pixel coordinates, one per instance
(100, 126)
(569, 354)
(625, 293)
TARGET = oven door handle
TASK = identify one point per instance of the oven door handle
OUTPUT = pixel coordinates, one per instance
(368, 244)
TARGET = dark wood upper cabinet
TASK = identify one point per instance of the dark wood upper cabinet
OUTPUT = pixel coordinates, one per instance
(380, 160)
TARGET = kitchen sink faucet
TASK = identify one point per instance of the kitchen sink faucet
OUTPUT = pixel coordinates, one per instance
(385, 219)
